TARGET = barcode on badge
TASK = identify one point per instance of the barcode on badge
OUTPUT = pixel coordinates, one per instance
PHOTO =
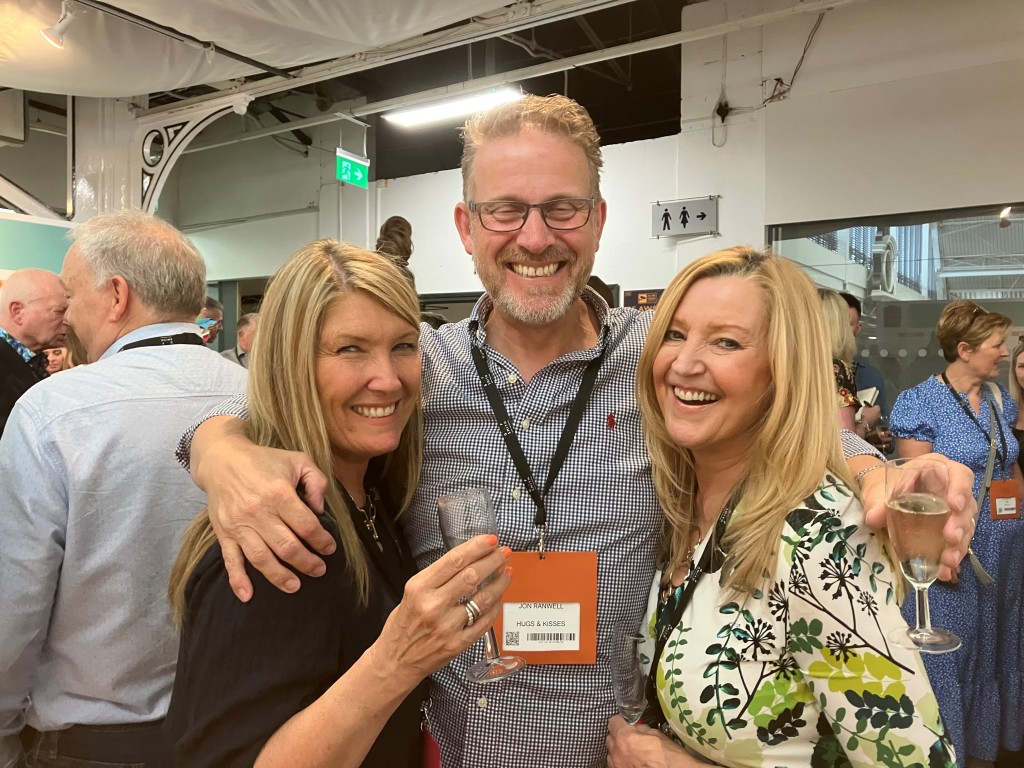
(549, 637)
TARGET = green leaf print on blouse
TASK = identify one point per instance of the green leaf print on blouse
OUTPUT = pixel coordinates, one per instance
(677, 702)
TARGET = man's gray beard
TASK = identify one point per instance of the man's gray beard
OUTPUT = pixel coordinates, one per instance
(528, 313)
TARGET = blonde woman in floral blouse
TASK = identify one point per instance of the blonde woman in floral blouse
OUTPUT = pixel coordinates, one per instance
(780, 656)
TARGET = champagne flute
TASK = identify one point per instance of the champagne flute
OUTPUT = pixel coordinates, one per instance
(916, 494)
(463, 515)
(628, 679)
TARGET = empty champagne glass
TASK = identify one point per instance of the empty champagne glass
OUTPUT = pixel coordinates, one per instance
(916, 494)
(463, 515)
(628, 679)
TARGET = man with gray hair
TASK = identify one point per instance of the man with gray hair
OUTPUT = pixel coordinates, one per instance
(246, 335)
(93, 504)
(32, 308)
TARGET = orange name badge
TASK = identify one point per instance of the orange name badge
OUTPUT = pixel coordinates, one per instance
(549, 612)
(1003, 503)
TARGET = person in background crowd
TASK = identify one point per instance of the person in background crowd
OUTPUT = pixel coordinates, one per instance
(1016, 386)
(239, 353)
(55, 359)
(32, 306)
(211, 319)
(74, 352)
(531, 217)
(333, 674)
(852, 414)
(775, 597)
(395, 242)
(864, 373)
(963, 414)
(93, 503)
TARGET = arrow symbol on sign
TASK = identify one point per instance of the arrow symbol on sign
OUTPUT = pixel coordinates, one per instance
(702, 215)
(359, 175)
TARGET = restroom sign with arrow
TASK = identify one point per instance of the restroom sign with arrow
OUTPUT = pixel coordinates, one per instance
(692, 216)
(352, 169)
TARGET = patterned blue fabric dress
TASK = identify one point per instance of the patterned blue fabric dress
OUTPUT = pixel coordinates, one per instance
(979, 687)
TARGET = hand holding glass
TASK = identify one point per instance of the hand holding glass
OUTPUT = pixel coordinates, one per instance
(628, 679)
(462, 516)
(916, 493)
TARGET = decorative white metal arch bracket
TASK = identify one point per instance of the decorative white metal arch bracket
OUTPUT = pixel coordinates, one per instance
(159, 140)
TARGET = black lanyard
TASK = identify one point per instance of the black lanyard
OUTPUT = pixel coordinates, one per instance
(508, 432)
(710, 560)
(992, 412)
(165, 341)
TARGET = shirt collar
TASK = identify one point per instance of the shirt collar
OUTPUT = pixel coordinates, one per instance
(26, 353)
(149, 332)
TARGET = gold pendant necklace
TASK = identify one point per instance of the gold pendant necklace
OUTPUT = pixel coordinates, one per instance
(370, 520)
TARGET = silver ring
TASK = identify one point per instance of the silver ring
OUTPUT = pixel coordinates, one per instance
(470, 616)
(471, 604)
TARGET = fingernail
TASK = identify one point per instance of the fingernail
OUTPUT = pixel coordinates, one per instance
(244, 595)
(292, 585)
(492, 540)
(507, 552)
(959, 501)
(320, 570)
(328, 549)
(508, 570)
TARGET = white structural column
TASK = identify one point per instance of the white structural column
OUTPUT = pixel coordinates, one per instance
(122, 161)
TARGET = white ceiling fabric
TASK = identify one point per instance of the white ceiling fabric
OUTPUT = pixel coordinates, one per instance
(107, 56)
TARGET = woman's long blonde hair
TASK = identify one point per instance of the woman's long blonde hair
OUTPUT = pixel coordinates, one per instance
(1015, 389)
(793, 444)
(284, 403)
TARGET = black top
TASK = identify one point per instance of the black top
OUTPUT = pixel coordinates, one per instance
(244, 669)
(16, 376)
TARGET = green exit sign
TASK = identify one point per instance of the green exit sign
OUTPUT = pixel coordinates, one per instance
(353, 169)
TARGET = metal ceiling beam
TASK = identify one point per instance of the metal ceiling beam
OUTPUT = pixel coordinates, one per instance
(597, 42)
(480, 28)
(273, 130)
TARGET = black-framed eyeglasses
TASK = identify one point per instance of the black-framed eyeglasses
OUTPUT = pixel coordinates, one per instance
(509, 215)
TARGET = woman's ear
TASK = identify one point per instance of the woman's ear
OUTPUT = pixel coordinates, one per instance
(964, 351)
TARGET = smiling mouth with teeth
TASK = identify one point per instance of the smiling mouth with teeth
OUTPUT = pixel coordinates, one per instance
(544, 270)
(693, 396)
(378, 412)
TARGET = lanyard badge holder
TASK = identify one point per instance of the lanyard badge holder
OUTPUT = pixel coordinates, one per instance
(549, 612)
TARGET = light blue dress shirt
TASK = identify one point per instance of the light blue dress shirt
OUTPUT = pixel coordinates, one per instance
(92, 504)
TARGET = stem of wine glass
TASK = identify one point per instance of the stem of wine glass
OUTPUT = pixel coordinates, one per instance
(924, 619)
(490, 645)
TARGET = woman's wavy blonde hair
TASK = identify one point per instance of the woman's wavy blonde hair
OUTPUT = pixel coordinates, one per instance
(1015, 388)
(793, 444)
(284, 402)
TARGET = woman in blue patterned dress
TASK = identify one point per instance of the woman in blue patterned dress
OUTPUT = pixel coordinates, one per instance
(978, 687)
(780, 657)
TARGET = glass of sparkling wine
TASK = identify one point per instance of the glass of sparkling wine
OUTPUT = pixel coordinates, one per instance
(463, 515)
(916, 493)
(628, 679)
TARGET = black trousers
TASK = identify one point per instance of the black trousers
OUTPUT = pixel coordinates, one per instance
(138, 745)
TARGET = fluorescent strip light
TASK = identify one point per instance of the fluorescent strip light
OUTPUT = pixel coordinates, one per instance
(460, 107)
(981, 272)
(1005, 213)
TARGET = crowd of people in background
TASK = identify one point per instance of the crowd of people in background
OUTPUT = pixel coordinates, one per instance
(292, 602)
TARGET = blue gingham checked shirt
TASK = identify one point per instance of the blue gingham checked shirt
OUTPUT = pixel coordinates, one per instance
(603, 501)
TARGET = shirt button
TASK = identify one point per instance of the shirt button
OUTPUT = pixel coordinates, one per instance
(516, 494)
(526, 423)
(512, 378)
(481, 702)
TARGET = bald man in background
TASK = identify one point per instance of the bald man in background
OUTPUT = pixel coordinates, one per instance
(32, 306)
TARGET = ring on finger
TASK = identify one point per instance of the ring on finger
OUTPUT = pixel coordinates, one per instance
(472, 606)
(470, 616)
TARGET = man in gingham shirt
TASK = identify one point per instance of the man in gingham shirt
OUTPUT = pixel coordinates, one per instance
(539, 327)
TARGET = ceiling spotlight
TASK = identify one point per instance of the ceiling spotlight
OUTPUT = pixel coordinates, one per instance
(1004, 217)
(55, 35)
(459, 107)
